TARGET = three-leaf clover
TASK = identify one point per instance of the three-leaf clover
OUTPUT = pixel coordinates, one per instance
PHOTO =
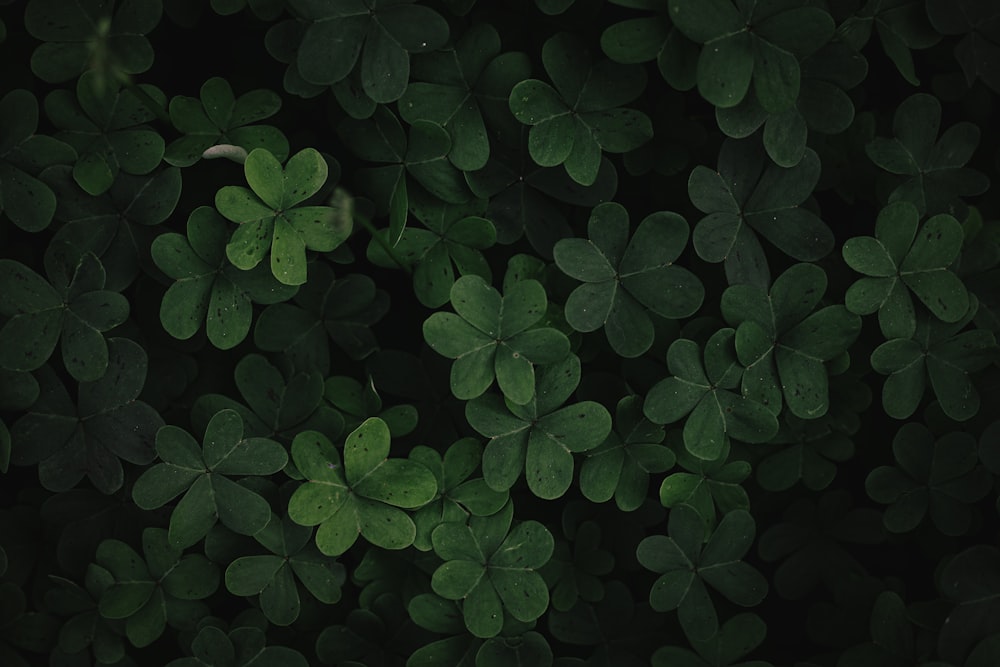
(700, 388)
(573, 122)
(972, 581)
(905, 257)
(933, 169)
(577, 564)
(87, 438)
(273, 576)
(363, 495)
(624, 277)
(240, 647)
(901, 26)
(940, 478)
(271, 219)
(219, 117)
(712, 488)
(737, 637)
(785, 342)
(806, 451)
(751, 42)
(620, 466)
(687, 567)
(74, 314)
(154, 589)
(27, 201)
(492, 568)
(748, 196)
(491, 337)
(202, 474)
(540, 438)
(978, 52)
(656, 38)
(208, 288)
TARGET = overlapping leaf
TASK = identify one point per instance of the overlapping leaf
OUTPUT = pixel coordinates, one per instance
(624, 277)
(271, 220)
(712, 488)
(646, 38)
(202, 474)
(580, 117)
(240, 647)
(493, 337)
(901, 26)
(978, 52)
(365, 495)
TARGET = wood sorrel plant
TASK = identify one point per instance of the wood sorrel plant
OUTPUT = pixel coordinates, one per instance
(541, 333)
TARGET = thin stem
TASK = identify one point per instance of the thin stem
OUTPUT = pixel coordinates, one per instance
(367, 224)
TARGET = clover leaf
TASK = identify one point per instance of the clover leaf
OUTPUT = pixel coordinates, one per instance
(106, 126)
(621, 465)
(81, 36)
(75, 315)
(27, 201)
(208, 288)
(493, 568)
(458, 495)
(939, 477)
(457, 85)
(941, 353)
(700, 388)
(358, 402)
(646, 38)
(972, 581)
(748, 196)
(240, 647)
(712, 488)
(978, 51)
(271, 219)
(219, 117)
(806, 451)
(785, 342)
(624, 277)
(87, 438)
(83, 627)
(490, 337)
(733, 55)
(574, 571)
(382, 35)
(580, 117)
(738, 636)
(273, 576)
(905, 258)
(901, 26)
(203, 474)
(157, 588)
(687, 568)
(933, 169)
(539, 438)
(453, 237)
(366, 495)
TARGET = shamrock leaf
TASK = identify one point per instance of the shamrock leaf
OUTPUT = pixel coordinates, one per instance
(901, 259)
(76, 314)
(273, 576)
(492, 568)
(241, 647)
(939, 352)
(491, 337)
(577, 564)
(972, 581)
(380, 633)
(207, 287)
(80, 37)
(623, 278)
(457, 85)
(893, 636)
(978, 52)
(420, 154)
(940, 477)
(687, 568)
(806, 451)
(529, 648)
(712, 488)
(540, 437)
(27, 201)
(453, 237)
(785, 343)
(271, 219)
(359, 402)
(106, 126)
(107, 423)
(733, 55)
(84, 628)
(901, 25)
(933, 169)
(646, 38)
(746, 197)
(382, 35)
(362, 496)
(458, 495)
(204, 479)
(219, 117)
(572, 123)
(157, 588)
(621, 465)
(738, 636)
(703, 392)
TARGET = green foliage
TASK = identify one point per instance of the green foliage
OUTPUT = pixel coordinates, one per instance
(552, 333)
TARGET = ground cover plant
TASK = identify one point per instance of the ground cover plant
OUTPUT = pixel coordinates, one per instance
(458, 333)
